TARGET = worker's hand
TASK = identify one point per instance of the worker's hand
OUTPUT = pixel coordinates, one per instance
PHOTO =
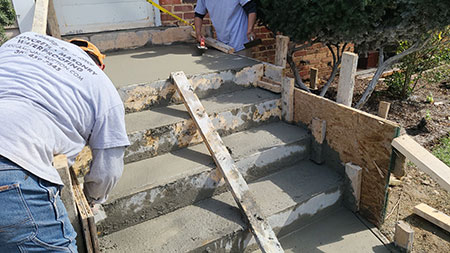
(199, 36)
(251, 35)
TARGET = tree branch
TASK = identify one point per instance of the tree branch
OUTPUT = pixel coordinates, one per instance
(335, 67)
(298, 80)
(384, 65)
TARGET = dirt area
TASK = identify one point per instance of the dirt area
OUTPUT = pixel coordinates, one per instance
(416, 187)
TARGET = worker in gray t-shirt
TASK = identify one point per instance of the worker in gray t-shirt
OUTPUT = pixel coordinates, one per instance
(233, 20)
(54, 99)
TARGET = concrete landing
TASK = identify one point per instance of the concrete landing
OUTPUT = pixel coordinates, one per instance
(156, 63)
(340, 232)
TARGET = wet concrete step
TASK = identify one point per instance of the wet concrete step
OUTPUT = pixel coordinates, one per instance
(288, 198)
(164, 183)
(138, 97)
(160, 130)
(341, 231)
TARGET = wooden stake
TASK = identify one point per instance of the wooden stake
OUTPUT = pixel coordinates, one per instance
(287, 99)
(53, 25)
(281, 50)
(258, 224)
(347, 78)
(383, 109)
(313, 77)
(40, 17)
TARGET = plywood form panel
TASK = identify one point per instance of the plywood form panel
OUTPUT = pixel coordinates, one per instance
(358, 137)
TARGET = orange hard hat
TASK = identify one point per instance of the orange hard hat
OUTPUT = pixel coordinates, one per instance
(90, 49)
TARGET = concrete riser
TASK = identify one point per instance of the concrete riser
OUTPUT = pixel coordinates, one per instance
(282, 223)
(159, 93)
(152, 142)
(156, 201)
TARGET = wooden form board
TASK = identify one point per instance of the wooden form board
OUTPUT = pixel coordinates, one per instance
(210, 42)
(78, 209)
(424, 160)
(258, 225)
(357, 137)
(432, 215)
(40, 17)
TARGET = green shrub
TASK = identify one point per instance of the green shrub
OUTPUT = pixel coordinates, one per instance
(7, 17)
(442, 150)
(421, 64)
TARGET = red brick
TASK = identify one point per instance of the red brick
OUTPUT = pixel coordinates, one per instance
(183, 8)
(169, 2)
(189, 15)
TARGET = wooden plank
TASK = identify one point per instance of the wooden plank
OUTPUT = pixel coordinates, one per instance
(354, 174)
(383, 109)
(40, 17)
(53, 25)
(434, 216)
(424, 160)
(268, 86)
(282, 43)
(210, 42)
(258, 224)
(86, 217)
(68, 197)
(404, 236)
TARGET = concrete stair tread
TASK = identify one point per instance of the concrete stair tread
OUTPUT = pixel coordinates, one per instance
(283, 197)
(162, 116)
(165, 168)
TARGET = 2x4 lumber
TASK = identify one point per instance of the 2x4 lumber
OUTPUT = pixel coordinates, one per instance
(40, 17)
(210, 42)
(258, 224)
(434, 216)
(424, 160)
(53, 25)
(269, 86)
(347, 78)
(282, 43)
(86, 217)
(67, 195)
(287, 99)
(383, 109)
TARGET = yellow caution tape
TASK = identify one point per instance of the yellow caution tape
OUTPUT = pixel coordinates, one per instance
(168, 12)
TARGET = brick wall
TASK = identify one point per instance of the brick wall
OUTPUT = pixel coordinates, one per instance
(317, 56)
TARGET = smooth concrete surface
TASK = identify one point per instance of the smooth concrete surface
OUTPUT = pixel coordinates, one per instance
(144, 65)
(340, 232)
(174, 113)
(218, 220)
(165, 168)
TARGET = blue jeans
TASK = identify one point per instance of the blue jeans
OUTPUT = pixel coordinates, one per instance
(32, 215)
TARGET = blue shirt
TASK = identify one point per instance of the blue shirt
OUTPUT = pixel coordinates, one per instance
(229, 20)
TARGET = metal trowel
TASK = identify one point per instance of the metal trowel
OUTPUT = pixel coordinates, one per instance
(201, 47)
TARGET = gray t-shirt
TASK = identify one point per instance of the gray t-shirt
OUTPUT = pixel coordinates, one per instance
(54, 100)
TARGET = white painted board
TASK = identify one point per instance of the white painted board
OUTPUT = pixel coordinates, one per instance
(85, 16)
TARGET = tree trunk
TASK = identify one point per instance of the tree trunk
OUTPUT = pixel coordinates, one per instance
(383, 66)
(298, 79)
